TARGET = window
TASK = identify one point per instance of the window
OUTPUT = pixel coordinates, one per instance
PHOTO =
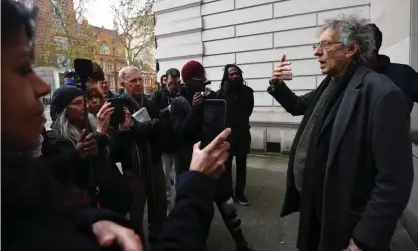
(110, 66)
(57, 8)
(104, 65)
(61, 42)
(111, 82)
(58, 24)
(119, 51)
(104, 49)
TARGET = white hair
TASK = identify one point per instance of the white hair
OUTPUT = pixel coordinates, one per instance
(125, 70)
(353, 30)
(65, 130)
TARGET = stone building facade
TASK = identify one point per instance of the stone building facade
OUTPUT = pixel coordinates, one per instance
(255, 33)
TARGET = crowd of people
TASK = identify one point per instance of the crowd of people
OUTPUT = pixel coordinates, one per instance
(350, 168)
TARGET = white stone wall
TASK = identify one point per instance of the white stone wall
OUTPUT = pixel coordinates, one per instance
(254, 34)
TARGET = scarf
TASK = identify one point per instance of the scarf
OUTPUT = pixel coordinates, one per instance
(323, 102)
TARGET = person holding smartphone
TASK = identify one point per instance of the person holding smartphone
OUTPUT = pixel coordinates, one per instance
(187, 112)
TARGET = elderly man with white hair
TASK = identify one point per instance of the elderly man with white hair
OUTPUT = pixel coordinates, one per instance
(142, 163)
(350, 169)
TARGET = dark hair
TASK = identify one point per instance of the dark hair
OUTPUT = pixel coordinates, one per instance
(173, 72)
(378, 36)
(14, 16)
(98, 74)
(162, 78)
(96, 92)
(27, 184)
(225, 76)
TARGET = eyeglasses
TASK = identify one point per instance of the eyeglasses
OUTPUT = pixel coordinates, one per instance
(324, 45)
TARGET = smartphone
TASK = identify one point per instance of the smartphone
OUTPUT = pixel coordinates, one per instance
(214, 118)
(118, 116)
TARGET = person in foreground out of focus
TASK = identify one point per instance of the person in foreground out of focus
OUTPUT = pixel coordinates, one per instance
(187, 118)
(40, 213)
(240, 104)
(350, 168)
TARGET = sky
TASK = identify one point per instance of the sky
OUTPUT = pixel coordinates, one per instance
(99, 13)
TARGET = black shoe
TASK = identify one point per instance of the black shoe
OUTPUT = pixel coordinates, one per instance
(242, 199)
(245, 247)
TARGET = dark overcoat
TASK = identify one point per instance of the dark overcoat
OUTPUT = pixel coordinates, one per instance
(369, 170)
(240, 105)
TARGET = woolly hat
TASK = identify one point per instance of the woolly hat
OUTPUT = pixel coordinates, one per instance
(62, 98)
(192, 69)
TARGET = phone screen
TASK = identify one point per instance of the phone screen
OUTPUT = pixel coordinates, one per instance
(214, 116)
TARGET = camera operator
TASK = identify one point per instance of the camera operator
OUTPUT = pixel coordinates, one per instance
(73, 148)
(142, 163)
(187, 119)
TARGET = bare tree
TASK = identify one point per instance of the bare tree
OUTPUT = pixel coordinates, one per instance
(69, 36)
(134, 22)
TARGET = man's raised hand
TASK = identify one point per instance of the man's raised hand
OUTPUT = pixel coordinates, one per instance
(283, 71)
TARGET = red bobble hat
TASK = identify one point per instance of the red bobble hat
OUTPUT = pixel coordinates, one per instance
(192, 69)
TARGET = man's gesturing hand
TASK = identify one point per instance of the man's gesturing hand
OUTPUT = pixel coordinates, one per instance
(210, 160)
(283, 71)
(109, 233)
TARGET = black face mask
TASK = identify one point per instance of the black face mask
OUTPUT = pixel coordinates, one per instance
(236, 81)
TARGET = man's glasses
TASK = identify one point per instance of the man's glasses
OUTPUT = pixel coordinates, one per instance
(324, 45)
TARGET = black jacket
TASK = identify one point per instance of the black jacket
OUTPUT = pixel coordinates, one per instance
(403, 76)
(168, 142)
(145, 134)
(67, 167)
(240, 105)
(187, 125)
(369, 170)
(38, 213)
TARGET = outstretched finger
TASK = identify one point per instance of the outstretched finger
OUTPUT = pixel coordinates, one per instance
(283, 58)
(196, 147)
(219, 140)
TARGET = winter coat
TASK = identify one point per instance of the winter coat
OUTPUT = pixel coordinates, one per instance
(240, 104)
(402, 75)
(66, 166)
(368, 170)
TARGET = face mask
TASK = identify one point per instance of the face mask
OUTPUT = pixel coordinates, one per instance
(236, 81)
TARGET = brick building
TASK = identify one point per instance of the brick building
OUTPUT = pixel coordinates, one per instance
(110, 54)
(55, 16)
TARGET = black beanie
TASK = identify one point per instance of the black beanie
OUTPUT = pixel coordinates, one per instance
(62, 98)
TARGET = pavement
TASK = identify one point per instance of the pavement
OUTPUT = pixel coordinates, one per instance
(263, 227)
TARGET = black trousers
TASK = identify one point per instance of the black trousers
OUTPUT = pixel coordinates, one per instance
(241, 173)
